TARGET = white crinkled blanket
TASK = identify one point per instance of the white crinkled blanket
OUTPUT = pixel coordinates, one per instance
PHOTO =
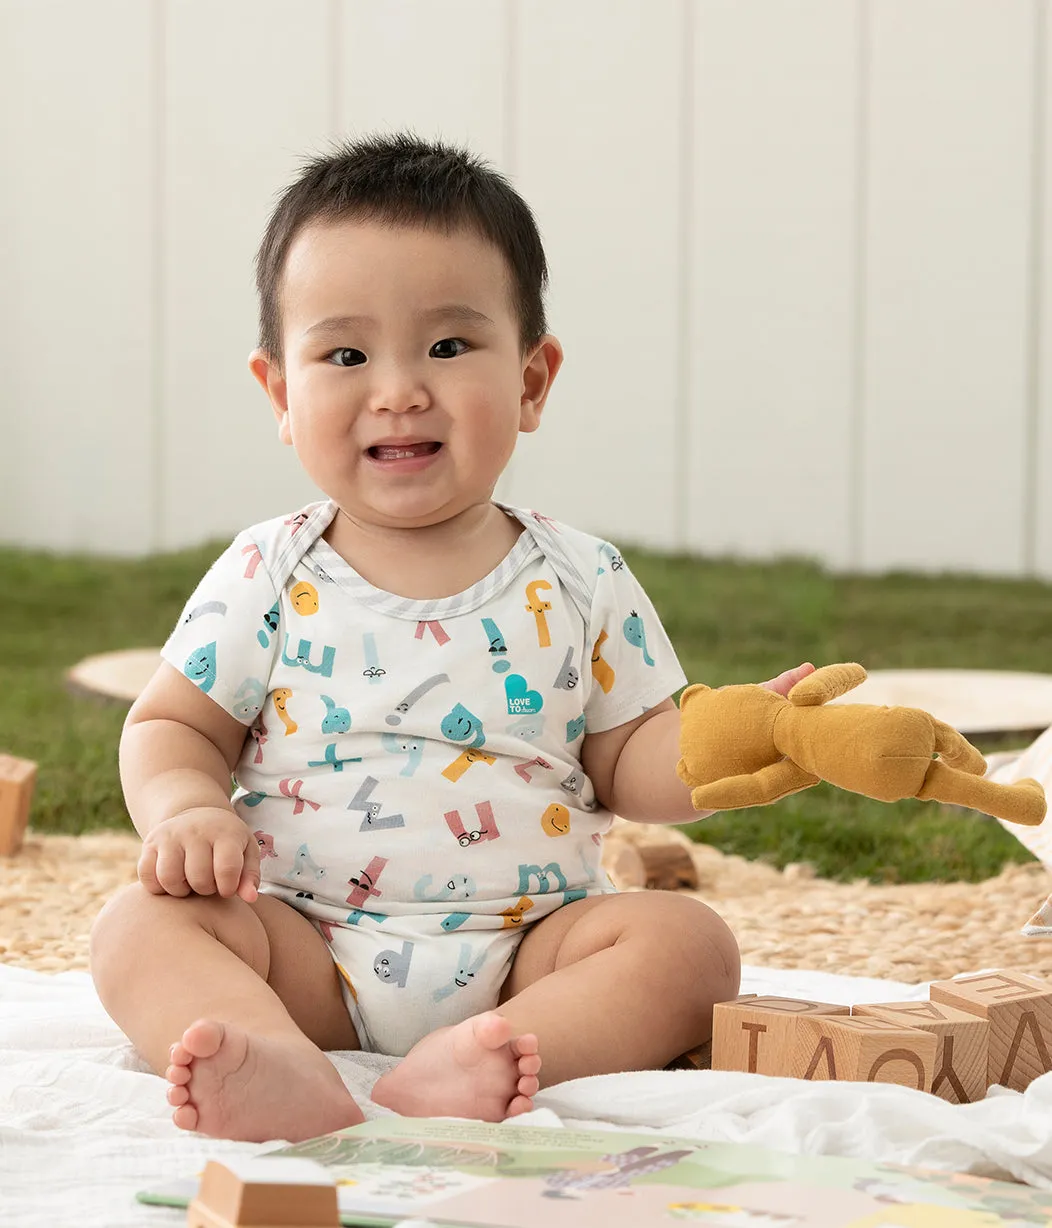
(83, 1125)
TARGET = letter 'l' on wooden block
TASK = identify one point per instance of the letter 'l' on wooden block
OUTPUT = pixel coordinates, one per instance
(757, 1034)
(863, 1050)
(1018, 1007)
(17, 777)
(962, 1043)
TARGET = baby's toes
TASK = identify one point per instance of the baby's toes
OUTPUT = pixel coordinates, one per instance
(530, 1064)
(521, 1104)
(529, 1085)
(525, 1045)
(180, 1075)
(490, 1030)
(185, 1117)
(179, 1054)
(177, 1095)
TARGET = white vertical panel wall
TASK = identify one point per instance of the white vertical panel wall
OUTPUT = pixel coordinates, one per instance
(76, 274)
(1041, 323)
(435, 69)
(597, 154)
(800, 252)
(946, 290)
(771, 252)
(239, 114)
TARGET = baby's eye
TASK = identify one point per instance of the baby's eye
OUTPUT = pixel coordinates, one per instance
(346, 357)
(448, 347)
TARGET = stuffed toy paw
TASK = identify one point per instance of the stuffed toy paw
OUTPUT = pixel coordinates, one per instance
(747, 746)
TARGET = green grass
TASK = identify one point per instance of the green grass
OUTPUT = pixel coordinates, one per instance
(730, 622)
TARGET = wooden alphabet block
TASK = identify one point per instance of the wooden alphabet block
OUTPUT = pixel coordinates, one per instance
(863, 1050)
(699, 1058)
(17, 777)
(961, 1044)
(1018, 1007)
(265, 1192)
(758, 1034)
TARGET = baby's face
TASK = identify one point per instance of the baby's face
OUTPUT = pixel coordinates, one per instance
(405, 385)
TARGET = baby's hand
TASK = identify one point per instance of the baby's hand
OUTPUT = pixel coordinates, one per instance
(786, 680)
(207, 851)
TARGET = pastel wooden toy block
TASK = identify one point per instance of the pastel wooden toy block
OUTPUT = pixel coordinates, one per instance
(962, 1042)
(758, 1034)
(264, 1193)
(17, 778)
(863, 1050)
(1018, 1008)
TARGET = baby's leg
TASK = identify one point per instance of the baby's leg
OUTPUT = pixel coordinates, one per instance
(620, 982)
(235, 1003)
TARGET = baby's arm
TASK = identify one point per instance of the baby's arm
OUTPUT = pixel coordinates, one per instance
(633, 766)
(177, 752)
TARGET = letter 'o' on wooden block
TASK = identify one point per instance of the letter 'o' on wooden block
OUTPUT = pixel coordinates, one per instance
(863, 1050)
(757, 1034)
(961, 1039)
(1018, 1007)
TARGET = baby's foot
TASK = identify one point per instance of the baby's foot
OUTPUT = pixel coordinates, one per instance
(473, 1069)
(228, 1084)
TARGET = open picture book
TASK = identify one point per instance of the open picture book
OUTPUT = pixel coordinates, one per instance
(473, 1175)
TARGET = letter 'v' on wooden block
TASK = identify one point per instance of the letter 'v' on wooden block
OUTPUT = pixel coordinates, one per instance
(1018, 1007)
(757, 1034)
(961, 1039)
(863, 1050)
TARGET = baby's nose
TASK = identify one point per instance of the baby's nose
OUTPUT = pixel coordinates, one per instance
(399, 389)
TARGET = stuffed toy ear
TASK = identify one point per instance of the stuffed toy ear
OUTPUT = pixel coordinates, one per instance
(691, 691)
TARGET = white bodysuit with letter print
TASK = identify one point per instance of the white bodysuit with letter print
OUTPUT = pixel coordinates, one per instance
(412, 768)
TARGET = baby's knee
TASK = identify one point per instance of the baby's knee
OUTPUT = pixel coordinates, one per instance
(136, 924)
(120, 912)
(710, 950)
(119, 920)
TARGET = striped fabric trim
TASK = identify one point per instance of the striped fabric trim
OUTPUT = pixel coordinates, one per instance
(525, 551)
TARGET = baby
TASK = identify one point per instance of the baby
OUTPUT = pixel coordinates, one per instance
(429, 703)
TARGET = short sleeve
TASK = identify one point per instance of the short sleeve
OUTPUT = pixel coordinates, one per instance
(226, 638)
(633, 664)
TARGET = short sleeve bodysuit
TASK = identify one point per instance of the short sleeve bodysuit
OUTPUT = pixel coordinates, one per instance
(412, 768)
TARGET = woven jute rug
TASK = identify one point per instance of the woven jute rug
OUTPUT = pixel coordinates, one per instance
(51, 890)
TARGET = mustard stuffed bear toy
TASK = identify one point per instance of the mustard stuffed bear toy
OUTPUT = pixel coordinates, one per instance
(747, 746)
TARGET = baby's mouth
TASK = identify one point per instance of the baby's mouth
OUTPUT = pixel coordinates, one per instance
(386, 452)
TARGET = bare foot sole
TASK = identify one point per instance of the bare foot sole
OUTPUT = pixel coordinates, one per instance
(473, 1069)
(228, 1084)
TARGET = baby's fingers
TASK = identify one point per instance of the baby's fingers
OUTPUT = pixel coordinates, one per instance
(228, 862)
(787, 679)
(198, 868)
(147, 870)
(248, 886)
(170, 870)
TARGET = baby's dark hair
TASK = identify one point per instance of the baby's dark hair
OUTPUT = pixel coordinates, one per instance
(401, 180)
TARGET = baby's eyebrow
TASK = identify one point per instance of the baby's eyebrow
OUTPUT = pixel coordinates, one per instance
(456, 313)
(452, 313)
(336, 324)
